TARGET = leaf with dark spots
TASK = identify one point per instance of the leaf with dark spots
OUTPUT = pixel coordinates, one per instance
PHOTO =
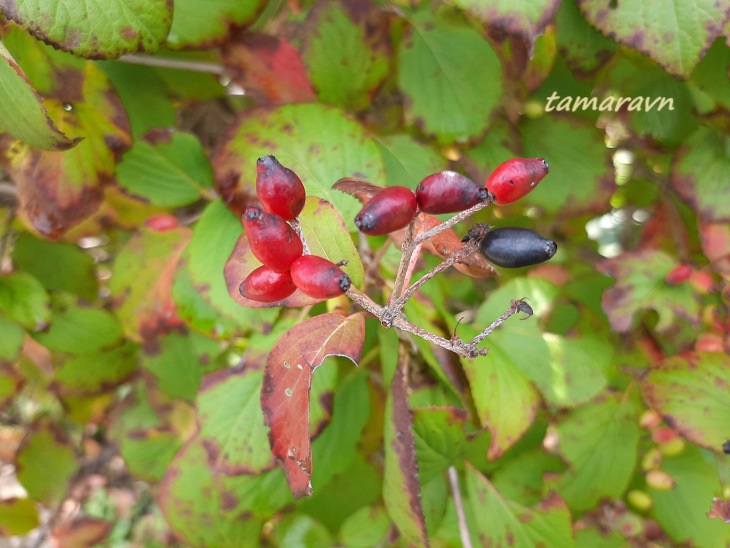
(346, 48)
(675, 35)
(525, 20)
(640, 285)
(401, 486)
(142, 283)
(690, 391)
(73, 25)
(319, 143)
(22, 112)
(268, 68)
(286, 389)
(232, 427)
(58, 191)
(700, 173)
(498, 521)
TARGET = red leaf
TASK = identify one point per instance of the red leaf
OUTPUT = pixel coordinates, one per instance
(288, 379)
(269, 69)
(720, 510)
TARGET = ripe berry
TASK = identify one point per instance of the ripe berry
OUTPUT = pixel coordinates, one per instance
(680, 273)
(389, 210)
(515, 178)
(272, 240)
(516, 247)
(448, 192)
(318, 277)
(279, 189)
(267, 285)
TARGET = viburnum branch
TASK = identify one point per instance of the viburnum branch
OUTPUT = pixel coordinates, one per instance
(469, 249)
(405, 259)
(514, 307)
(451, 222)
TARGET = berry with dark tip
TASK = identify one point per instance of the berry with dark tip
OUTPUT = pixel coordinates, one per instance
(448, 192)
(318, 277)
(279, 189)
(272, 240)
(266, 285)
(389, 210)
(515, 178)
(516, 247)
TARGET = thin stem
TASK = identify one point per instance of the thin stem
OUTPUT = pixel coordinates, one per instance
(451, 222)
(405, 260)
(459, 504)
(511, 311)
(6, 231)
(182, 64)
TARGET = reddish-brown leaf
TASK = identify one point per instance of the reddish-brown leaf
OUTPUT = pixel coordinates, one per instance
(268, 68)
(288, 379)
(240, 264)
(720, 510)
(81, 532)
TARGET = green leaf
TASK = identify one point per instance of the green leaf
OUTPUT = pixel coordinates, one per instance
(497, 521)
(319, 143)
(365, 528)
(97, 372)
(196, 311)
(148, 110)
(214, 237)
(700, 173)
(11, 338)
(520, 478)
(22, 113)
(407, 161)
(346, 50)
(583, 47)
(166, 167)
(599, 442)
(682, 510)
(525, 19)
(231, 423)
(401, 488)
(18, 517)
(23, 299)
(302, 530)
(691, 392)
(576, 154)
(142, 282)
(673, 122)
(705, 74)
(199, 23)
(94, 30)
(641, 285)
(676, 36)
(504, 398)
(175, 366)
(444, 437)
(80, 330)
(327, 236)
(45, 464)
(450, 78)
(59, 266)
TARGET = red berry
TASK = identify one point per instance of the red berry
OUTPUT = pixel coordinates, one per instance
(272, 240)
(448, 192)
(516, 247)
(279, 189)
(515, 178)
(318, 277)
(389, 210)
(161, 222)
(266, 285)
(680, 273)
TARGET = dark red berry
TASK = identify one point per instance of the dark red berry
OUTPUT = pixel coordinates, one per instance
(279, 189)
(266, 285)
(389, 210)
(515, 178)
(680, 273)
(272, 240)
(448, 192)
(318, 277)
(515, 247)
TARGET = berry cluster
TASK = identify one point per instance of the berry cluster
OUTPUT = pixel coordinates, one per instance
(393, 208)
(277, 245)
